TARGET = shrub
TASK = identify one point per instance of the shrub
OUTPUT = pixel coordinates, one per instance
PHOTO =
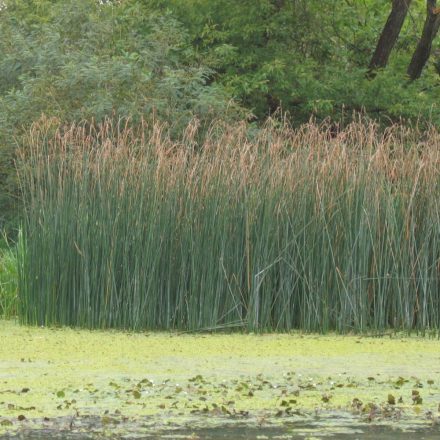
(8, 281)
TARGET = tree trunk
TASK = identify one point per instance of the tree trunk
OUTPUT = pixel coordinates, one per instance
(423, 50)
(279, 4)
(389, 35)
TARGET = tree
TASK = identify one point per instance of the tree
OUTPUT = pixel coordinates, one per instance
(423, 50)
(389, 35)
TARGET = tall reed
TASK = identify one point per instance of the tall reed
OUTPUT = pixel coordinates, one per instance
(285, 228)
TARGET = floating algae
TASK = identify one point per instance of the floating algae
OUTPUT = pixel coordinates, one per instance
(115, 383)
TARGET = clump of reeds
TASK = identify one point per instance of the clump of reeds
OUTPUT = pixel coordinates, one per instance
(285, 228)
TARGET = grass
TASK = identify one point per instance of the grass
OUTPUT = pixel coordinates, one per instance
(8, 280)
(286, 228)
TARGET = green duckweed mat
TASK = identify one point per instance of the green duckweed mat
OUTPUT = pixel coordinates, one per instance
(97, 384)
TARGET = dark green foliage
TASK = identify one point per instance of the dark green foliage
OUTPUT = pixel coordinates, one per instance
(8, 280)
(310, 57)
(289, 229)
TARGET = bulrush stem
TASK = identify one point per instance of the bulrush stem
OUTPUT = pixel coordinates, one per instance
(286, 229)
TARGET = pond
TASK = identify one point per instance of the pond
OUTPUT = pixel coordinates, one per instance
(299, 432)
(79, 384)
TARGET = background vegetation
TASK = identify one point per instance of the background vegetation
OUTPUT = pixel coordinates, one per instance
(8, 280)
(309, 56)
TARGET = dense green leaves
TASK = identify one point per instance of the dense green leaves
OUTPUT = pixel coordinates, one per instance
(308, 56)
(8, 280)
(91, 61)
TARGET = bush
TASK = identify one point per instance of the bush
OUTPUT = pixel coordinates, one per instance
(8, 281)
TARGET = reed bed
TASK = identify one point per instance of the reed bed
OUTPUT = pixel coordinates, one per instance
(281, 229)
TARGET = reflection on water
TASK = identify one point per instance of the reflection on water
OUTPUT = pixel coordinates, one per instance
(372, 433)
(239, 433)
